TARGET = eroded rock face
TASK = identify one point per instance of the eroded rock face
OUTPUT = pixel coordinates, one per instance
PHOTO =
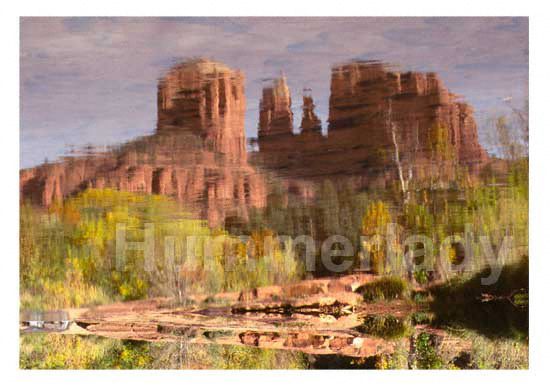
(276, 117)
(310, 121)
(375, 113)
(365, 96)
(208, 97)
(197, 155)
(314, 321)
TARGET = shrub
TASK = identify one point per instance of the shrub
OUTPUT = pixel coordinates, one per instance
(374, 223)
(386, 288)
(69, 254)
(384, 326)
(426, 353)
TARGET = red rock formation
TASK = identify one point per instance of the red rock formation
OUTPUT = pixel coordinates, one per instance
(310, 121)
(198, 153)
(276, 117)
(276, 139)
(361, 94)
(373, 113)
(206, 96)
(197, 156)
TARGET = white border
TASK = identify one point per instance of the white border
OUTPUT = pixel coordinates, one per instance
(539, 150)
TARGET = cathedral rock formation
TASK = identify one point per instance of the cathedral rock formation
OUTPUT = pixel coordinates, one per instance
(207, 97)
(366, 98)
(276, 116)
(375, 114)
(310, 121)
(276, 137)
(197, 155)
(382, 126)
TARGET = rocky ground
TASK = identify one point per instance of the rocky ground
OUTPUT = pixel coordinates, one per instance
(319, 316)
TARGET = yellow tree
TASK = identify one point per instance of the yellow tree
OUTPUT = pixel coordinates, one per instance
(373, 226)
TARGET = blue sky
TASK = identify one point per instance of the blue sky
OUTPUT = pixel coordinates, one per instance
(93, 80)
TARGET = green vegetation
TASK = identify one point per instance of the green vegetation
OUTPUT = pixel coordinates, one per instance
(496, 353)
(489, 209)
(426, 353)
(498, 310)
(385, 326)
(58, 351)
(374, 224)
(69, 254)
(467, 350)
(386, 288)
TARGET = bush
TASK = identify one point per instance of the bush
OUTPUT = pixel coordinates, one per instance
(426, 353)
(387, 327)
(69, 255)
(386, 288)
(59, 351)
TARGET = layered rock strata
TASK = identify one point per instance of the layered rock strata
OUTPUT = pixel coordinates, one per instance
(377, 117)
(197, 155)
(381, 124)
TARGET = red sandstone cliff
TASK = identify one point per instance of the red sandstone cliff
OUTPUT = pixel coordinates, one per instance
(310, 121)
(276, 116)
(373, 113)
(208, 97)
(361, 94)
(197, 156)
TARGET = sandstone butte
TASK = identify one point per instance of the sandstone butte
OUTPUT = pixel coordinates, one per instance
(368, 101)
(198, 155)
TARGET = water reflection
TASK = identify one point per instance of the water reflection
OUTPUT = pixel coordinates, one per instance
(497, 311)
(400, 150)
(198, 153)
